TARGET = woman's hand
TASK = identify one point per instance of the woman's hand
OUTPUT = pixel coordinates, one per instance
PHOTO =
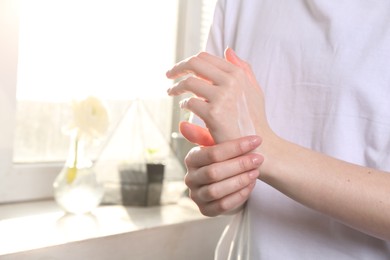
(221, 177)
(227, 96)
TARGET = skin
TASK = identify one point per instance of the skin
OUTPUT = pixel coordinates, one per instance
(221, 172)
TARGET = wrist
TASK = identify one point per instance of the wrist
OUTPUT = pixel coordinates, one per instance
(272, 148)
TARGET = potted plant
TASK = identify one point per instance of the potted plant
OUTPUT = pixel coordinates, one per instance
(155, 169)
(140, 182)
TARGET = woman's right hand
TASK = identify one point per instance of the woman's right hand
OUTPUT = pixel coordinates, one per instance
(221, 177)
(227, 96)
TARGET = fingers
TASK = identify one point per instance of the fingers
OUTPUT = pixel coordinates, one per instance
(219, 172)
(228, 185)
(203, 156)
(227, 204)
(203, 65)
(224, 184)
(199, 87)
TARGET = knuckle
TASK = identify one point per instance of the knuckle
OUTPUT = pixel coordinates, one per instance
(201, 55)
(224, 96)
(192, 196)
(188, 180)
(239, 72)
(244, 164)
(214, 155)
(187, 161)
(192, 61)
(190, 102)
(211, 193)
(215, 113)
(223, 205)
(241, 182)
(189, 158)
(182, 83)
(242, 147)
(189, 81)
(244, 193)
(212, 174)
(229, 83)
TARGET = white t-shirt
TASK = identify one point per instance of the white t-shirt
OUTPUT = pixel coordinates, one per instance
(324, 67)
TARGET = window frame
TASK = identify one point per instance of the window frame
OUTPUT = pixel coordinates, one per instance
(18, 182)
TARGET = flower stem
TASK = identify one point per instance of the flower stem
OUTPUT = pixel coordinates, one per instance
(76, 148)
(72, 171)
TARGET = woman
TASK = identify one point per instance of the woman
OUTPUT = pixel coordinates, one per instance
(311, 83)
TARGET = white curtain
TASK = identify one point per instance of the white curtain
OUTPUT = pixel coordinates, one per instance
(8, 70)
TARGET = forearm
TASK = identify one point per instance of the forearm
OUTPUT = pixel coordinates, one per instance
(357, 196)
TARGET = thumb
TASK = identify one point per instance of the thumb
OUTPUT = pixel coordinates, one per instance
(196, 134)
(232, 57)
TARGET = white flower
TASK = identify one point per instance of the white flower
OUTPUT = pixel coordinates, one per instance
(90, 120)
(90, 117)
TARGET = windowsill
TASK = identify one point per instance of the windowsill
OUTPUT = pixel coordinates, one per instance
(36, 225)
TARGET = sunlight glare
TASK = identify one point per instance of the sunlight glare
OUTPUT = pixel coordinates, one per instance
(114, 49)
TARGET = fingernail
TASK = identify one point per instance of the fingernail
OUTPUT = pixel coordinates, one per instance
(256, 160)
(255, 141)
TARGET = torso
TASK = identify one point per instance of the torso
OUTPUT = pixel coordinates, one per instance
(325, 70)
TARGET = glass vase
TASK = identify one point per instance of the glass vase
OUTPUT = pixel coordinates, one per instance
(76, 188)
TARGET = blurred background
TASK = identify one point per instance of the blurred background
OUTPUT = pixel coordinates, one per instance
(117, 50)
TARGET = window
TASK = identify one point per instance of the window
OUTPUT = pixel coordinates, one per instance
(118, 50)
